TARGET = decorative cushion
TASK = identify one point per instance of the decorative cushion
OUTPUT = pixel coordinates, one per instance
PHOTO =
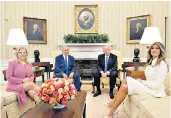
(156, 108)
(7, 97)
(105, 80)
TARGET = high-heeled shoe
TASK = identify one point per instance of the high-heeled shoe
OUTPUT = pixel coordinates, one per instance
(113, 114)
(106, 104)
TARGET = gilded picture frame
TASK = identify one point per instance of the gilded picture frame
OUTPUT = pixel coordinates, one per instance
(35, 30)
(135, 28)
(86, 18)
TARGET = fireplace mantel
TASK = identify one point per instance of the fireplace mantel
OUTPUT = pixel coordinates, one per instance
(86, 51)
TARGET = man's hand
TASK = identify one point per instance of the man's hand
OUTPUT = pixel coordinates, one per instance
(71, 75)
(64, 75)
(102, 73)
(139, 80)
(25, 80)
(108, 73)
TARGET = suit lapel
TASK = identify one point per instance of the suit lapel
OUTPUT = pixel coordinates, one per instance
(62, 57)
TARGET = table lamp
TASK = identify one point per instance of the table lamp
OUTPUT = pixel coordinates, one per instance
(150, 35)
(16, 38)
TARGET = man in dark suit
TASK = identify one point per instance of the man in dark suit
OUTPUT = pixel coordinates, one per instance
(65, 67)
(137, 32)
(107, 66)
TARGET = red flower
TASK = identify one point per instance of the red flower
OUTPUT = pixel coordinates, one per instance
(64, 100)
(46, 98)
(55, 94)
(44, 91)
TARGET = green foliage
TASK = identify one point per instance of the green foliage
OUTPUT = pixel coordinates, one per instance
(94, 38)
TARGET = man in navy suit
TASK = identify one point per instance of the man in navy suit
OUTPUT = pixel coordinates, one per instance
(107, 66)
(65, 67)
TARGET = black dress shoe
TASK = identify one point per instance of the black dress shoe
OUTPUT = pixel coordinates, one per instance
(97, 93)
(111, 95)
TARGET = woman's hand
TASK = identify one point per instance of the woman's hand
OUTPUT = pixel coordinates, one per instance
(139, 80)
(25, 80)
(64, 75)
(71, 75)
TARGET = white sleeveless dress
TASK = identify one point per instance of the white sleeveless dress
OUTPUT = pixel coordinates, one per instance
(154, 83)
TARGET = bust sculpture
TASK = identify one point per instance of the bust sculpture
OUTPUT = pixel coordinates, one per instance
(136, 53)
(36, 56)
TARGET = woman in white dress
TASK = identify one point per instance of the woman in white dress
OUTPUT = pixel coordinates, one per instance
(155, 73)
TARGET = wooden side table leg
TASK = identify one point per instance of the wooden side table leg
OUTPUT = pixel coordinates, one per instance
(34, 80)
(43, 78)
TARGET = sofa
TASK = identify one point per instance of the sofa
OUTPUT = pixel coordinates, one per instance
(147, 106)
(9, 105)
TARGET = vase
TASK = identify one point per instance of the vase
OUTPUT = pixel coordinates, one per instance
(58, 106)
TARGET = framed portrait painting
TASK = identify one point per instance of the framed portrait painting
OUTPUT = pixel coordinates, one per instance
(136, 26)
(86, 18)
(35, 30)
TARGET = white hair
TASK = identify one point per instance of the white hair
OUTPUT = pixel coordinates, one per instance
(65, 47)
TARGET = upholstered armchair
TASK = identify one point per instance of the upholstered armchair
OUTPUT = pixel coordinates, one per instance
(105, 80)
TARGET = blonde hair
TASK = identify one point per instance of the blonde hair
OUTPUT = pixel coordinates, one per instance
(161, 55)
(17, 51)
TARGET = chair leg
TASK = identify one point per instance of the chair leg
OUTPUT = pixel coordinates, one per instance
(80, 84)
(93, 88)
(102, 85)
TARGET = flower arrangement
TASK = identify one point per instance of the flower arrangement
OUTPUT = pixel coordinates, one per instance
(55, 91)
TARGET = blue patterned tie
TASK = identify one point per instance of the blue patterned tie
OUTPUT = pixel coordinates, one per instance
(66, 65)
(106, 61)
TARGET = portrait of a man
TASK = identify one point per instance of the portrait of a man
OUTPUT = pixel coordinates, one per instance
(136, 26)
(86, 19)
(137, 29)
(35, 30)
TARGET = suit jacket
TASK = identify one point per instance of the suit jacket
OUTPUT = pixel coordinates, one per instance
(60, 66)
(112, 63)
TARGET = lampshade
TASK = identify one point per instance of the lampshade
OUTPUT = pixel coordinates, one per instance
(150, 35)
(17, 37)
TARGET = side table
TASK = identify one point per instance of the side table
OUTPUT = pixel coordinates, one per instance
(46, 65)
(136, 72)
(38, 73)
